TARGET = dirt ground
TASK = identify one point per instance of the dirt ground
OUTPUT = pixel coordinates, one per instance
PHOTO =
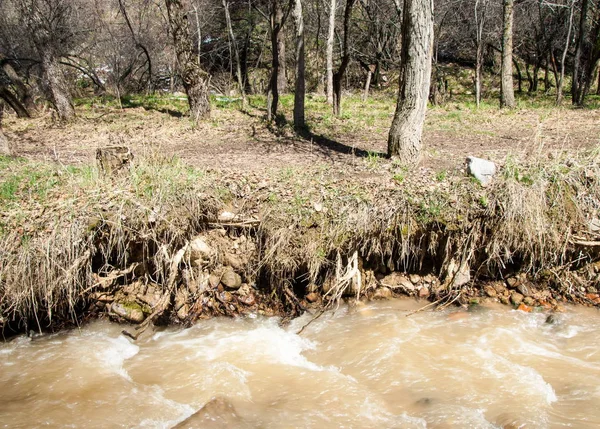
(238, 141)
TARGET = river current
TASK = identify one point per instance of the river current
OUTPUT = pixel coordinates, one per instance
(370, 366)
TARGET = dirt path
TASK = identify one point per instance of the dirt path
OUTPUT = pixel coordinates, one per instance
(242, 142)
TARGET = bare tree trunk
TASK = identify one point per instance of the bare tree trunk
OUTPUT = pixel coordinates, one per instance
(300, 89)
(22, 91)
(547, 75)
(338, 76)
(519, 76)
(479, 26)
(575, 84)
(236, 53)
(404, 141)
(507, 95)
(559, 83)
(194, 79)
(367, 85)
(598, 89)
(592, 57)
(199, 29)
(282, 76)
(330, 37)
(276, 23)
(138, 44)
(57, 88)
(13, 102)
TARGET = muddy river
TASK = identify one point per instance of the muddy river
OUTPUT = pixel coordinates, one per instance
(364, 367)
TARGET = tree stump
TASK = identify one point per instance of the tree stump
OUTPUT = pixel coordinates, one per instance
(113, 159)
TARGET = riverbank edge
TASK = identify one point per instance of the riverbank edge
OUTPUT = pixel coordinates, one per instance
(162, 242)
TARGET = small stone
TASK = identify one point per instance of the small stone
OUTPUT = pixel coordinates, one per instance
(214, 280)
(499, 287)
(529, 301)
(512, 282)
(398, 281)
(226, 217)
(516, 298)
(103, 297)
(382, 293)
(415, 279)
(490, 291)
(248, 299)
(424, 292)
(132, 313)
(524, 289)
(199, 249)
(482, 169)
(429, 279)
(592, 289)
(312, 297)
(233, 261)
(231, 279)
(183, 312)
(551, 319)
(525, 308)
(592, 296)
(504, 300)
(225, 297)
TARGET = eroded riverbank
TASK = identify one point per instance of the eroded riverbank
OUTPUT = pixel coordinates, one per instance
(368, 366)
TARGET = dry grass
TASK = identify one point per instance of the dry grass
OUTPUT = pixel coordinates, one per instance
(64, 230)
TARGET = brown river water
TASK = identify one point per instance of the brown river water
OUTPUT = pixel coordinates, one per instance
(363, 367)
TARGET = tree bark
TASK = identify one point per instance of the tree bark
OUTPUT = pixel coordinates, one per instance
(236, 53)
(282, 76)
(479, 26)
(56, 85)
(13, 102)
(338, 76)
(575, 84)
(194, 79)
(519, 76)
(559, 83)
(507, 94)
(22, 91)
(591, 58)
(300, 88)
(367, 85)
(404, 141)
(276, 23)
(329, 60)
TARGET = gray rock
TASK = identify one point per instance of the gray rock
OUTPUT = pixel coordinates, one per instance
(490, 291)
(398, 281)
(529, 301)
(231, 279)
(414, 278)
(200, 250)
(181, 305)
(233, 261)
(382, 293)
(424, 292)
(482, 169)
(217, 413)
(130, 312)
(524, 290)
(516, 298)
